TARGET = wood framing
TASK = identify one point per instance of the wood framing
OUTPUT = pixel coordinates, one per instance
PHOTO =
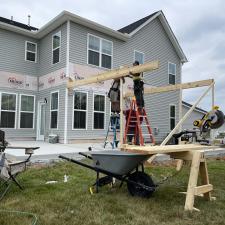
(113, 74)
(175, 87)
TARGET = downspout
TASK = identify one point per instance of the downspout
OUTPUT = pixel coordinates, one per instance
(67, 75)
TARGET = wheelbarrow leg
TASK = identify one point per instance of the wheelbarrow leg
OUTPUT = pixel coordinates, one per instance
(97, 182)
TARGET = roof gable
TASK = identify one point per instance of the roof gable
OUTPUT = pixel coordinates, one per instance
(135, 27)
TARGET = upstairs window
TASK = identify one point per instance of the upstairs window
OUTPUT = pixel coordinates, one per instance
(56, 45)
(99, 52)
(54, 110)
(80, 110)
(8, 110)
(26, 111)
(139, 56)
(172, 116)
(172, 73)
(30, 51)
(99, 111)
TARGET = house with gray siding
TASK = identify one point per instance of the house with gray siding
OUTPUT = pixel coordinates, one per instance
(35, 65)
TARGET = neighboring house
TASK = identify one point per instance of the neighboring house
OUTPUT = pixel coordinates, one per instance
(196, 114)
(35, 65)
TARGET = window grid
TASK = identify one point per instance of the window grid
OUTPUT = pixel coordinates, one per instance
(100, 51)
(13, 111)
(172, 116)
(54, 110)
(80, 110)
(29, 112)
(58, 34)
(98, 112)
(140, 53)
(26, 51)
(172, 74)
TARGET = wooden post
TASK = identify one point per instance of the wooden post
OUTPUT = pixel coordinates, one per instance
(193, 179)
(121, 112)
(186, 115)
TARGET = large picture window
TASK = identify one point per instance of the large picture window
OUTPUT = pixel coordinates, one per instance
(54, 110)
(99, 111)
(172, 116)
(172, 73)
(8, 110)
(26, 111)
(30, 51)
(139, 56)
(99, 52)
(56, 45)
(79, 110)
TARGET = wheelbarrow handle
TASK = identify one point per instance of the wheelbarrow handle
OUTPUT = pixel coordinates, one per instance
(85, 155)
(78, 162)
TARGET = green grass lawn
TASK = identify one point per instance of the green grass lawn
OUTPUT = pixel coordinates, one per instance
(71, 203)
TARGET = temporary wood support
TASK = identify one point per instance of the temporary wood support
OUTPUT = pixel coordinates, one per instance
(113, 74)
(175, 87)
(186, 115)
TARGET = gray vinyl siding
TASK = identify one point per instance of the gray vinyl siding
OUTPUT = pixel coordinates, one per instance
(153, 41)
(61, 111)
(20, 133)
(45, 65)
(12, 50)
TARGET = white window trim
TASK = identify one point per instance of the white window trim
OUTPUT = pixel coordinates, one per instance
(170, 116)
(141, 53)
(8, 110)
(30, 51)
(86, 124)
(57, 91)
(171, 73)
(93, 111)
(100, 52)
(59, 34)
(26, 111)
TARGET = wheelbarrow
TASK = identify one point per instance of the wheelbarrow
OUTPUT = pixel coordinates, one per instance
(124, 166)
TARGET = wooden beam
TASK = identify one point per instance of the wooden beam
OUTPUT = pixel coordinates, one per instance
(203, 189)
(113, 74)
(175, 87)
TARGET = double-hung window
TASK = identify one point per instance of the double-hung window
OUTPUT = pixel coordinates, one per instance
(79, 110)
(54, 110)
(30, 51)
(99, 52)
(56, 45)
(172, 73)
(8, 110)
(139, 56)
(172, 116)
(26, 111)
(99, 111)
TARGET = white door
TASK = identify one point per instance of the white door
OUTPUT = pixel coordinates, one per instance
(41, 122)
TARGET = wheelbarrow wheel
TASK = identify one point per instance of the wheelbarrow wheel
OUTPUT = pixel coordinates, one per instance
(140, 178)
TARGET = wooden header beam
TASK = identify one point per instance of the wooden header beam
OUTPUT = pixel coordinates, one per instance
(113, 74)
(175, 87)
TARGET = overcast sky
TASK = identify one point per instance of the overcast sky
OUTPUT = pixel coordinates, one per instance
(198, 25)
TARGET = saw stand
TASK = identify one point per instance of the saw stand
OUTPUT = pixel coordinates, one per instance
(192, 154)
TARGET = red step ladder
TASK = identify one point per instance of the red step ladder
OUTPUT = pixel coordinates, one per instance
(136, 120)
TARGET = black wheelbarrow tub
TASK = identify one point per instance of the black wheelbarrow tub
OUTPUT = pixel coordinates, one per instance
(117, 162)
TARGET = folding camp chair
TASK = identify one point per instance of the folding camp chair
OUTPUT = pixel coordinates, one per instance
(10, 169)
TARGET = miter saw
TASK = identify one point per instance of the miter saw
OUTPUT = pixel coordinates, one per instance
(201, 133)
